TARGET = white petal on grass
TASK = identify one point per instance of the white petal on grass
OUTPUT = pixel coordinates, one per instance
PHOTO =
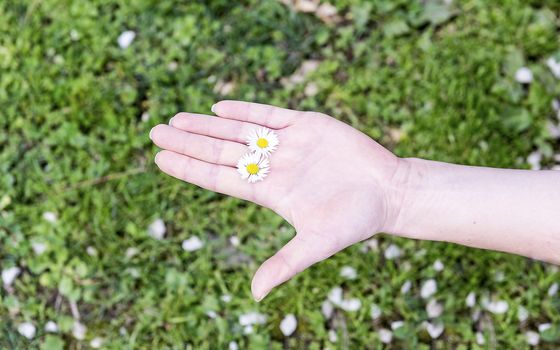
(524, 75)
(475, 315)
(532, 338)
(96, 342)
(226, 298)
(27, 329)
(248, 329)
(397, 324)
(348, 272)
(126, 38)
(157, 229)
(79, 330)
(211, 314)
(91, 251)
(385, 335)
(51, 217)
(480, 340)
(372, 244)
(130, 252)
(288, 325)
(234, 241)
(470, 300)
(438, 265)
(522, 314)
(333, 337)
(51, 327)
(375, 312)
(192, 244)
(405, 288)
(434, 309)
(327, 309)
(335, 295)
(553, 290)
(392, 252)
(233, 345)
(428, 289)
(352, 304)
(38, 247)
(10, 274)
(554, 66)
(497, 306)
(544, 326)
(252, 318)
(434, 329)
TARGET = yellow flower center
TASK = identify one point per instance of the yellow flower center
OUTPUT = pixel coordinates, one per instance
(252, 168)
(262, 142)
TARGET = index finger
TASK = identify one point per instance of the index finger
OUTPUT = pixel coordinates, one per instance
(267, 115)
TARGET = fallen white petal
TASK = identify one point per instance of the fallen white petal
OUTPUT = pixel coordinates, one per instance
(405, 288)
(51, 327)
(157, 229)
(79, 330)
(524, 75)
(192, 244)
(385, 335)
(553, 290)
(434, 309)
(470, 300)
(554, 66)
(353, 304)
(27, 329)
(522, 314)
(332, 336)
(335, 295)
(126, 38)
(544, 326)
(480, 338)
(434, 329)
(397, 324)
(96, 342)
(252, 318)
(327, 309)
(428, 289)
(497, 306)
(288, 325)
(10, 274)
(38, 247)
(49, 216)
(375, 312)
(438, 265)
(392, 252)
(532, 338)
(348, 272)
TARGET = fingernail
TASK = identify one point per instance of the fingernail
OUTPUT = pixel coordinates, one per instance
(212, 108)
(171, 121)
(151, 132)
(259, 298)
(156, 158)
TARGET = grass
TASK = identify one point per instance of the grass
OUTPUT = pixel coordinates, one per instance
(425, 79)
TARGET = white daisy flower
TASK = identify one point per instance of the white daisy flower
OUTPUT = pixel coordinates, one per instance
(262, 141)
(253, 167)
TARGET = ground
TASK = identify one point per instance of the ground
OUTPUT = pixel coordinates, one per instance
(91, 233)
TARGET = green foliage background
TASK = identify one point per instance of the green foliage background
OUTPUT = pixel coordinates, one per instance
(73, 142)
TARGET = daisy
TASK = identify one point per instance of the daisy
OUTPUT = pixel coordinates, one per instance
(262, 141)
(253, 167)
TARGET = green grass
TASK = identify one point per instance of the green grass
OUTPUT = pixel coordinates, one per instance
(73, 142)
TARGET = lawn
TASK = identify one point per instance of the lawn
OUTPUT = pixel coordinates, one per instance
(92, 235)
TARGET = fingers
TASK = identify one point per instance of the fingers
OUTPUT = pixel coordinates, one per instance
(201, 147)
(213, 177)
(212, 126)
(297, 255)
(270, 116)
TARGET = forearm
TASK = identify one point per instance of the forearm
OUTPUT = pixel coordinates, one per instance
(516, 211)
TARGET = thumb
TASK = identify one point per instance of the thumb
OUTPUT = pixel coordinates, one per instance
(298, 254)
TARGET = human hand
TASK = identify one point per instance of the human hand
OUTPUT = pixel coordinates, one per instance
(327, 179)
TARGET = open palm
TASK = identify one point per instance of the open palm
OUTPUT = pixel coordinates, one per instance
(327, 179)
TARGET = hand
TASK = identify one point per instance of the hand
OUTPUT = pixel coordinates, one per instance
(330, 181)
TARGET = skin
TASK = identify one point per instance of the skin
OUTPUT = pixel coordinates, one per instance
(337, 187)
